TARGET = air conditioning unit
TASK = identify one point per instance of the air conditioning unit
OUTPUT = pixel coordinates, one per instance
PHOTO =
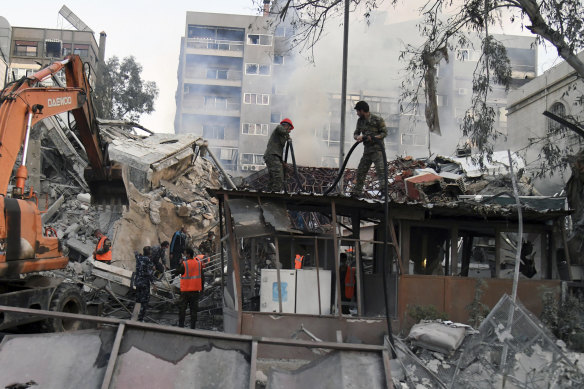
(244, 167)
(252, 167)
(258, 167)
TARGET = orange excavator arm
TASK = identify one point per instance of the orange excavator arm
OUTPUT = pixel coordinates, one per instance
(24, 247)
(24, 104)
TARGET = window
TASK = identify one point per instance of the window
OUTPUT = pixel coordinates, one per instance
(254, 68)
(255, 98)
(216, 33)
(278, 59)
(265, 70)
(252, 159)
(259, 39)
(251, 68)
(66, 49)
(215, 102)
(217, 73)
(557, 109)
(413, 139)
(25, 48)
(254, 129)
(275, 117)
(81, 50)
(53, 49)
(214, 132)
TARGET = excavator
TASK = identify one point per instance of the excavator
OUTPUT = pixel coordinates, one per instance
(25, 246)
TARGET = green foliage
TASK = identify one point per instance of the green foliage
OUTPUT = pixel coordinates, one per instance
(424, 312)
(565, 319)
(478, 311)
(123, 94)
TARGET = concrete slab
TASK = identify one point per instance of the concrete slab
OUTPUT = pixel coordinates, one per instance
(60, 360)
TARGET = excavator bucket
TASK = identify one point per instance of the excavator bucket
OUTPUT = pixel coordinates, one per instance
(109, 190)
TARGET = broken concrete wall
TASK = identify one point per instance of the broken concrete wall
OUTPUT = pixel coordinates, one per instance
(153, 217)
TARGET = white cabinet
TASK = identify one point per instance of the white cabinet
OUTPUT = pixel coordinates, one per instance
(269, 290)
(307, 291)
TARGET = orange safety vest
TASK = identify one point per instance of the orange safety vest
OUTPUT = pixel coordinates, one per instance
(103, 257)
(298, 261)
(350, 282)
(191, 280)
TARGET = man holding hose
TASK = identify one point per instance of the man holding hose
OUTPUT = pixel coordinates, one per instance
(273, 154)
(371, 131)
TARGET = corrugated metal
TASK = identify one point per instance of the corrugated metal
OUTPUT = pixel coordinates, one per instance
(247, 217)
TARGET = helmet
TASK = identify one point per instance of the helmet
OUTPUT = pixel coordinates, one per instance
(286, 120)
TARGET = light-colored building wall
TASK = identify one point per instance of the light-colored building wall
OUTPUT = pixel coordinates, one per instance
(525, 107)
(31, 48)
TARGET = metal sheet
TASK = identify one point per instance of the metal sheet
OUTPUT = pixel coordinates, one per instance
(346, 369)
(159, 360)
(307, 291)
(276, 215)
(60, 360)
(247, 217)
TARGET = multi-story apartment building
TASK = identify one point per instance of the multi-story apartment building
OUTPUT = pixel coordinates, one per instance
(234, 86)
(5, 33)
(226, 89)
(32, 48)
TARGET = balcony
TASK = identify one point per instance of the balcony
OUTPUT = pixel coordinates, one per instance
(201, 105)
(214, 47)
(211, 76)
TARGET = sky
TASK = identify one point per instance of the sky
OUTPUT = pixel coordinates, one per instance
(150, 30)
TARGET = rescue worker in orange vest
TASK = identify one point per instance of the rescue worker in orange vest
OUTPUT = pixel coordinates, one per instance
(347, 273)
(298, 261)
(191, 286)
(103, 249)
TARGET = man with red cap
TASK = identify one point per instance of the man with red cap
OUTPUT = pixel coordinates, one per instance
(273, 154)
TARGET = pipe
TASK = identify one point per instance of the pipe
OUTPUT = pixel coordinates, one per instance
(223, 172)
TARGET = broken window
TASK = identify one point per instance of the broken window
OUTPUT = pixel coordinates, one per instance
(53, 49)
(264, 70)
(81, 50)
(213, 132)
(259, 39)
(278, 59)
(251, 68)
(25, 48)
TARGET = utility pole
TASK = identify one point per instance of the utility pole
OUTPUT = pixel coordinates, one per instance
(344, 89)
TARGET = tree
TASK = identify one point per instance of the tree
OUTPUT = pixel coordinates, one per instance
(121, 93)
(445, 25)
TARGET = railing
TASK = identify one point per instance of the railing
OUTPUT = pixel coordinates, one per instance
(200, 105)
(199, 72)
(213, 44)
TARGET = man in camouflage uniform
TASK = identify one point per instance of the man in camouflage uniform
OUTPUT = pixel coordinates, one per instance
(143, 276)
(157, 256)
(207, 247)
(273, 154)
(370, 130)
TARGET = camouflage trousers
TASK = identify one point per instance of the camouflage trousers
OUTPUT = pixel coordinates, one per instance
(276, 171)
(142, 297)
(369, 157)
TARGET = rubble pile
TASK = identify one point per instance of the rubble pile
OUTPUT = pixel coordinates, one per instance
(440, 180)
(521, 354)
